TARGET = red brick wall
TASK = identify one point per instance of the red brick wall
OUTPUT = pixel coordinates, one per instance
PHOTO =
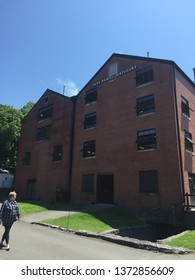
(116, 133)
(49, 175)
(184, 88)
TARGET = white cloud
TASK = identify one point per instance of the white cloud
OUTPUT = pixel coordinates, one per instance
(68, 87)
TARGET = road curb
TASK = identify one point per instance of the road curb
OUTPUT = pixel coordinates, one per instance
(125, 241)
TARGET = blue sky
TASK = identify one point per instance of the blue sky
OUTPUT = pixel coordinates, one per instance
(51, 43)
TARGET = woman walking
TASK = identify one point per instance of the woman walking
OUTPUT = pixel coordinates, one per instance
(8, 215)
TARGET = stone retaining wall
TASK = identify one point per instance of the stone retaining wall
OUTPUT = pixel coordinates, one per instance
(143, 232)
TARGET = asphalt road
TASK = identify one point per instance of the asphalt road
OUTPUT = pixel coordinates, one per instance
(35, 242)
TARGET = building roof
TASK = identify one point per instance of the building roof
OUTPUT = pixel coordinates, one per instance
(133, 57)
(142, 58)
(47, 92)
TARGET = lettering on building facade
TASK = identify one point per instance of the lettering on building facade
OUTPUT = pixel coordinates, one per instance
(110, 79)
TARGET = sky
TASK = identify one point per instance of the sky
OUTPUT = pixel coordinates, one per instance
(55, 43)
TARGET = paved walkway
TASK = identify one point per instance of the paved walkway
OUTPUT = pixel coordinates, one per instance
(41, 216)
(130, 242)
(52, 214)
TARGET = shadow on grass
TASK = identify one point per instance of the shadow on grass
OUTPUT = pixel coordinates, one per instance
(115, 217)
(88, 217)
(96, 220)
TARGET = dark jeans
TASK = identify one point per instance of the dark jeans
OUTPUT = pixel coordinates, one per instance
(6, 234)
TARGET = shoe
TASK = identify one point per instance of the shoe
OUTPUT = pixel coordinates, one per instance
(1, 244)
(7, 248)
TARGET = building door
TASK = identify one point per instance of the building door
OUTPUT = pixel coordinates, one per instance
(105, 188)
(31, 189)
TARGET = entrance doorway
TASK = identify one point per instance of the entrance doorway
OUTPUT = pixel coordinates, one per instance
(105, 188)
(30, 189)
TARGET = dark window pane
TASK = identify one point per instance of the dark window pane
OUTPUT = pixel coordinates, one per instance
(90, 120)
(57, 153)
(88, 183)
(91, 96)
(148, 181)
(45, 113)
(145, 105)
(43, 133)
(185, 107)
(188, 142)
(89, 149)
(144, 75)
(146, 139)
(26, 159)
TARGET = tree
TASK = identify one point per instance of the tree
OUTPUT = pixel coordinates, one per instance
(10, 126)
(26, 109)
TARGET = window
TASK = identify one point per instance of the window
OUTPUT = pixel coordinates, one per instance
(91, 96)
(148, 181)
(90, 120)
(88, 183)
(144, 76)
(43, 133)
(145, 105)
(46, 99)
(146, 139)
(31, 189)
(185, 107)
(57, 153)
(45, 113)
(191, 177)
(188, 142)
(26, 159)
(112, 69)
(88, 149)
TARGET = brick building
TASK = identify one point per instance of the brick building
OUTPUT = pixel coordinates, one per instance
(44, 156)
(127, 138)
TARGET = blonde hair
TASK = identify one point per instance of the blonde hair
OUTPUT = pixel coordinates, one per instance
(12, 194)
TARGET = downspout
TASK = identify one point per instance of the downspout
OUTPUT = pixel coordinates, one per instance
(71, 147)
(178, 134)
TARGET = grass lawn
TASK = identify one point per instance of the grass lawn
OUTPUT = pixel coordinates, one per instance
(187, 240)
(31, 207)
(96, 221)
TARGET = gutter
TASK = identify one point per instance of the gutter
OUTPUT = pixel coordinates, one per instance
(71, 147)
(178, 134)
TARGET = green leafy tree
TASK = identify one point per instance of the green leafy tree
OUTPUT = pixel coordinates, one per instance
(10, 126)
(26, 109)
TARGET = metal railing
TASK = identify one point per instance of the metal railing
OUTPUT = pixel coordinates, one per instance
(189, 200)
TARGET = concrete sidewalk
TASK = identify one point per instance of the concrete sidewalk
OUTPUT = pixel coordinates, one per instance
(38, 219)
(41, 216)
(52, 214)
(108, 236)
